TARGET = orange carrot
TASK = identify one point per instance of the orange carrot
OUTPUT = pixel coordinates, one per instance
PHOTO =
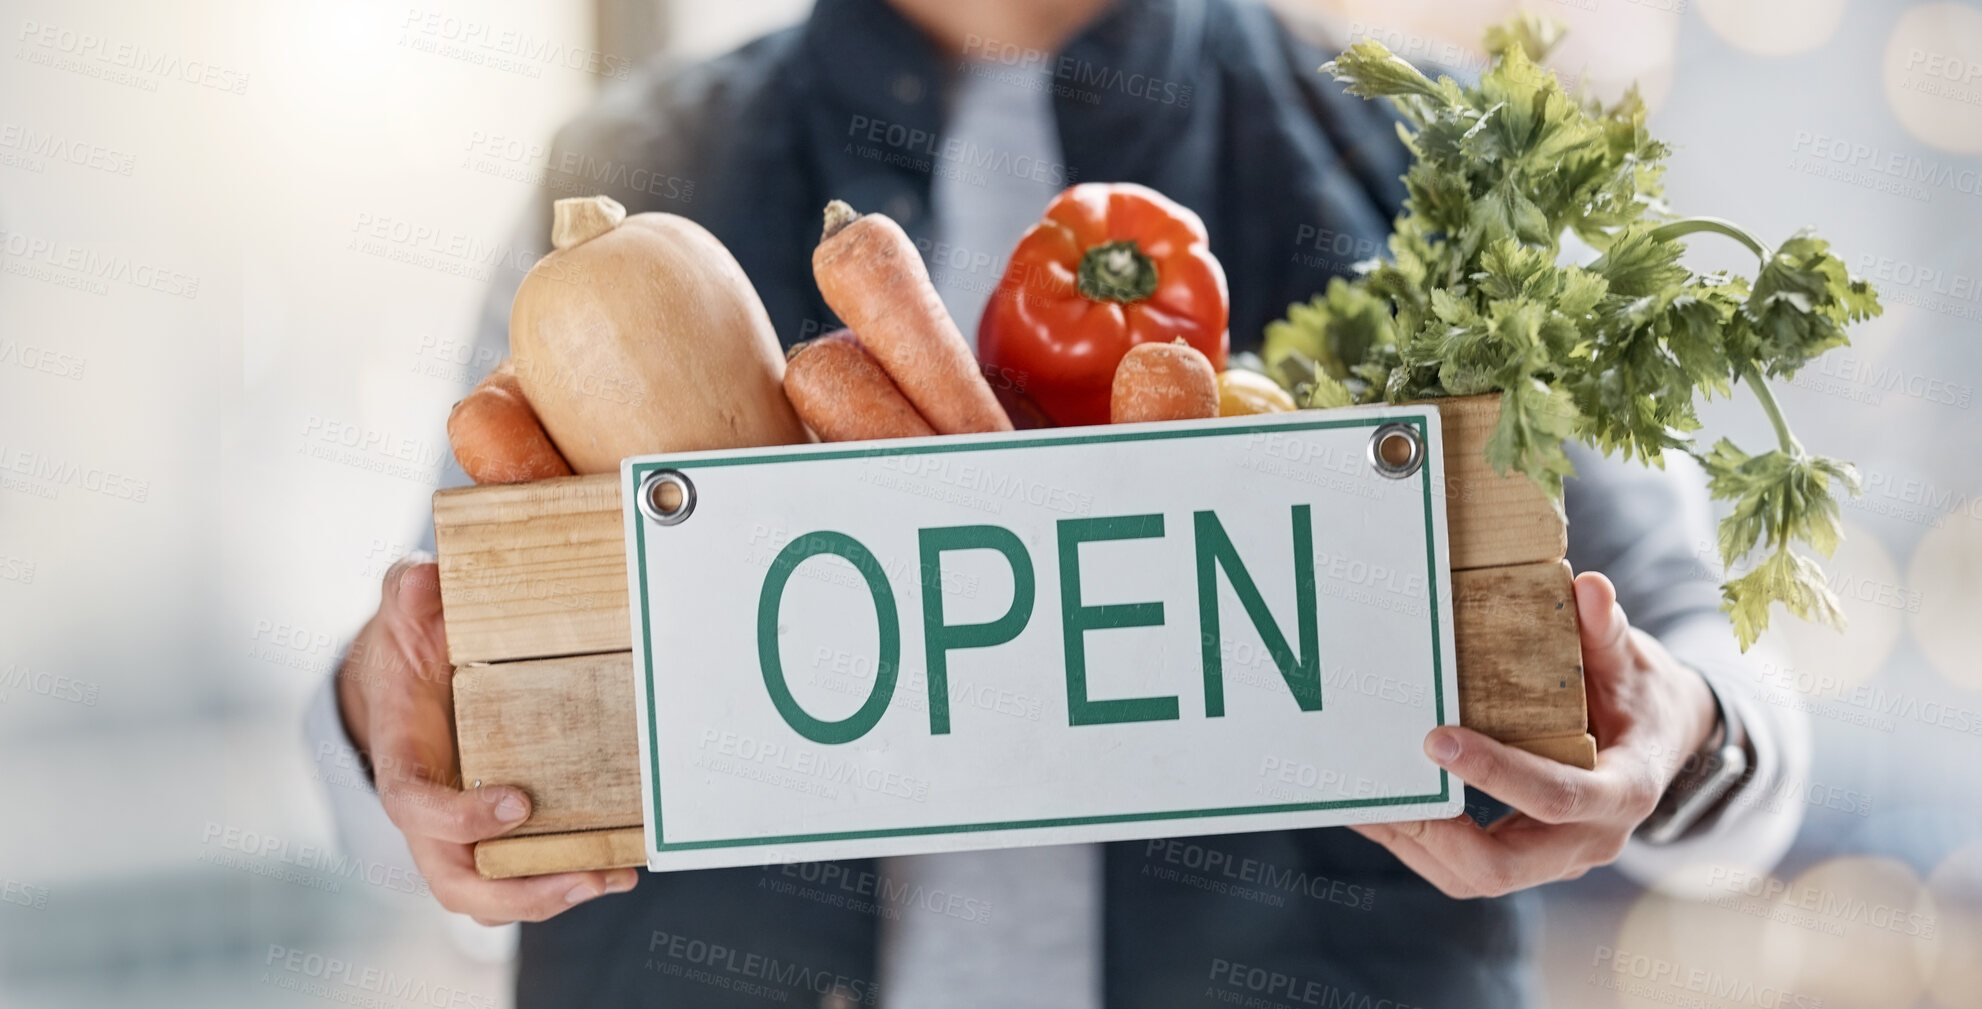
(1163, 381)
(496, 436)
(841, 393)
(871, 274)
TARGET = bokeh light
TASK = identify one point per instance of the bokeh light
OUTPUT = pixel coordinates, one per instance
(1946, 571)
(1850, 931)
(1773, 27)
(1873, 599)
(1954, 968)
(1932, 75)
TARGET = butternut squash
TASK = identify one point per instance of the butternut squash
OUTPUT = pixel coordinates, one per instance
(641, 334)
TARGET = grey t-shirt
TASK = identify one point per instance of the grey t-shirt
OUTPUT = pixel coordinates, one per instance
(1039, 942)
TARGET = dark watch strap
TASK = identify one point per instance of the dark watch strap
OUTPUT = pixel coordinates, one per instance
(1708, 777)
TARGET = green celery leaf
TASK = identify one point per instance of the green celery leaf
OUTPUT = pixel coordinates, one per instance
(1535, 420)
(1579, 292)
(1534, 34)
(1336, 329)
(1324, 392)
(1637, 264)
(1370, 70)
(1800, 303)
(1505, 212)
(1778, 498)
(1786, 578)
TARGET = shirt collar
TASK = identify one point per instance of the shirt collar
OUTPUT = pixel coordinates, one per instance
(1125, 87)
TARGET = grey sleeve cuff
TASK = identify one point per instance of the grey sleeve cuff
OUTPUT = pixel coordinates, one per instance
(362, 826)
(1754, 826)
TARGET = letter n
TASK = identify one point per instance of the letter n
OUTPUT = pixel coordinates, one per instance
(1301, 671)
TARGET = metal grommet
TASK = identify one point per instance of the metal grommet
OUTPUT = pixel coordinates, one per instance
(666, 496)
(1396, 450)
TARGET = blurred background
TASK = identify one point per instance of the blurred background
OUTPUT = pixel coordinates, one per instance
(222, 395)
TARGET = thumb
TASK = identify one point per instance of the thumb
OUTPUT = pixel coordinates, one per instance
(411, 616)
(412, 590)
(1602, 625)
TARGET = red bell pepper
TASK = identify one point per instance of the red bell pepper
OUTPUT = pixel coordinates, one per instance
(1110, 266)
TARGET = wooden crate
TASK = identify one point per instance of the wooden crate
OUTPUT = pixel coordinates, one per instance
(533, 586)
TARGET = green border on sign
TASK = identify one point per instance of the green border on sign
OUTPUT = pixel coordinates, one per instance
(975, 445)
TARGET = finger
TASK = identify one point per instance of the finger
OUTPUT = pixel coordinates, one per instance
(412, 612)
(1519, 831)
(413, 619)
(1600, 622)
(1613, 657)
(451, 875)
(1495, 862)
(412, 588)
(1464, 859)
(426, 809)
(1396, 838)
(1542, 788)
(534, 898)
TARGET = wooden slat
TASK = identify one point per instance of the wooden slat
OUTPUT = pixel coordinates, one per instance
(532, 570)
(506, 857)
(1520, 659)
(1577, 749)
(561, 729)
(1491, 520)
(539, 569)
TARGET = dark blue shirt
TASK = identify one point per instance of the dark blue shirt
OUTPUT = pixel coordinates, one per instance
(1218, 105)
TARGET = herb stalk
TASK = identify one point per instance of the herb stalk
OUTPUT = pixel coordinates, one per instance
(1690, 225)
(1767, 397)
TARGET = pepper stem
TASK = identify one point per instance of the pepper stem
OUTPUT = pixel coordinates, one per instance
(1117, 271)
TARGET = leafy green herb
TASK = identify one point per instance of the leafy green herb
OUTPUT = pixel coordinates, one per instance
(1617, 354)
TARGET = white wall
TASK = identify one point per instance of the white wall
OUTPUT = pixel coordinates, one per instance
(193, 565)
(703, 28)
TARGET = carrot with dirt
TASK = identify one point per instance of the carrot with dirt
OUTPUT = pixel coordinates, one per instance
(496, 436)
(1163, 381)
(872, 276)
(842, 393)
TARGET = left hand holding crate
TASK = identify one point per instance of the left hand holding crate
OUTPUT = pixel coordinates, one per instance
(395, 690)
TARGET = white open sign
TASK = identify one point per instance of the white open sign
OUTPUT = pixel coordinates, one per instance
(1040, 638)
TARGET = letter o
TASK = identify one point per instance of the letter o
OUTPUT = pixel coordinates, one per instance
(796, 552)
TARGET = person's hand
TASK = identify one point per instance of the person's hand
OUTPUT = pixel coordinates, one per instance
(396, 692)
(1648, 713)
